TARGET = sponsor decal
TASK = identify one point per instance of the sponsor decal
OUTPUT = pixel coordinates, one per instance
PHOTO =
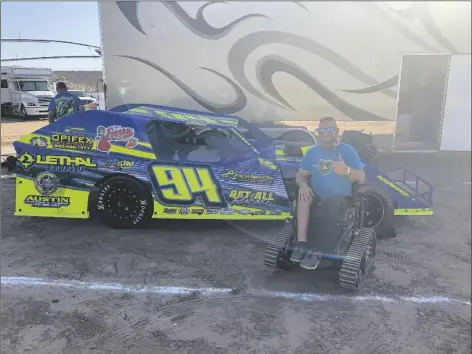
(119, 164)
(258, 212)
(198, 211)
(39, 141)
(46, 183)
(247, 177)
(393, 186)
(227, 211)
(74, 130)
(170, 211)
(71, 142)
(244, 212)
(212, 211)
(43, 201)
(55, 162)
(249, 197)
(275, 212)
(106, 135)
(184, 211)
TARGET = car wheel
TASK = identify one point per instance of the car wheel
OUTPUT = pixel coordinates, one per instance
(23, 114)
(380, 210)
(124, 203)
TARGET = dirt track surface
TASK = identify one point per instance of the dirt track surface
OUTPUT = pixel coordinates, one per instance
(431, 257)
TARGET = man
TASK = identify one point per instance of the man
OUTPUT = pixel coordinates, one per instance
(64, 103)
(333, 167)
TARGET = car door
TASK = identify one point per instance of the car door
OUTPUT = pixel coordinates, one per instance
(235, 187)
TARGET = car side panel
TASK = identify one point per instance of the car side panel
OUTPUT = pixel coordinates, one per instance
(58, 165)
(199, 191)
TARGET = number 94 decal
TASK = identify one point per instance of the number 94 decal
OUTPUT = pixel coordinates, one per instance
(182, 185)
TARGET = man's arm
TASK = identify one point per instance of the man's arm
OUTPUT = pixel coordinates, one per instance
(302, 177)
(52, 111)
(353, 168)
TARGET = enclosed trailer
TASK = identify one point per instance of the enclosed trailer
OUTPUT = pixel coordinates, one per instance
(293, 61)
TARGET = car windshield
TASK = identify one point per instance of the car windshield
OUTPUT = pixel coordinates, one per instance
(78, 93)
(34, 86)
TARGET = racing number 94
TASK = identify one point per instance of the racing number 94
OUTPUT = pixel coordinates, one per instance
(182, 185)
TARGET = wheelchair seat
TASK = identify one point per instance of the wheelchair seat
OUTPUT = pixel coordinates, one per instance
(331, 220)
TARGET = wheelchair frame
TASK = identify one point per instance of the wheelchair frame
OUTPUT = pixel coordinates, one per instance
(355, 250)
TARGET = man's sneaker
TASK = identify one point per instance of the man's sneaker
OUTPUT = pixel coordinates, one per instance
(299, 251)
(311, 261)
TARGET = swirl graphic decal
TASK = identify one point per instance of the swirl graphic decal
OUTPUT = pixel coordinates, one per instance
(237, 105)
(129, 9)
(269, 65)
(377, 11)
(301, 5)
(240, 51)
(199, 25)
(422, 12)
(392, 82)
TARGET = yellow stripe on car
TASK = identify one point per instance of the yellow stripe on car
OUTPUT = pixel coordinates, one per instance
(413, 212)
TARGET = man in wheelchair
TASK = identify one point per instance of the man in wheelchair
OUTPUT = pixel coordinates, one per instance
(327, 173)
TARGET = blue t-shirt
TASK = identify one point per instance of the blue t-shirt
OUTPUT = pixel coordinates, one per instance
(324, 181)
(64, 103)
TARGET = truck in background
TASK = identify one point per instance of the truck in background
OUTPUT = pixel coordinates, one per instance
(26, 92)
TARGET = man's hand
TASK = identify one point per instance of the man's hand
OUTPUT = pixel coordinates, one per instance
(305, 193)
(340, 167)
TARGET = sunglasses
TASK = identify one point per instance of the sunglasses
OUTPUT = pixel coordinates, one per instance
(326, 130)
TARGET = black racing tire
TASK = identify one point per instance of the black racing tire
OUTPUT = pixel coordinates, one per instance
(380, 210)
(123, 203)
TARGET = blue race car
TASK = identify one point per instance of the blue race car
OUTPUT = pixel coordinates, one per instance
(161, 162)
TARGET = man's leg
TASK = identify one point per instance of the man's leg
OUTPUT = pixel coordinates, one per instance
(303, 216)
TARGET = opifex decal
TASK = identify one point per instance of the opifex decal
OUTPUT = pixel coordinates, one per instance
(247, 177)
(46, 183)
(248, 197)
(42, 201)
(105, 135)
(55, 162)
(71, 142)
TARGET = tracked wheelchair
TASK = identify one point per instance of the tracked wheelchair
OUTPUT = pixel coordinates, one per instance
(336, 234)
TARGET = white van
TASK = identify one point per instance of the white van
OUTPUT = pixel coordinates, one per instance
(26, 92)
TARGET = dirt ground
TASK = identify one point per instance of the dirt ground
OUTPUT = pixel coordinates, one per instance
(417, 273)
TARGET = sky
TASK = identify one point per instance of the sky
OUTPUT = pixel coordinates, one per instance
(66, 20)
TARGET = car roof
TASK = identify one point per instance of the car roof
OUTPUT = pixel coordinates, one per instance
(183, 116)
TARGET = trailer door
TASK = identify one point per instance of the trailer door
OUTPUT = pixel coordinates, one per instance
(421, 97)
(457, 114)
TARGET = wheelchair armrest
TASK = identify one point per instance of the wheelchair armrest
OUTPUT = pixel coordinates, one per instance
(358, 190)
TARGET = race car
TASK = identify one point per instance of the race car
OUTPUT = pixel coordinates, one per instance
(162, 162)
